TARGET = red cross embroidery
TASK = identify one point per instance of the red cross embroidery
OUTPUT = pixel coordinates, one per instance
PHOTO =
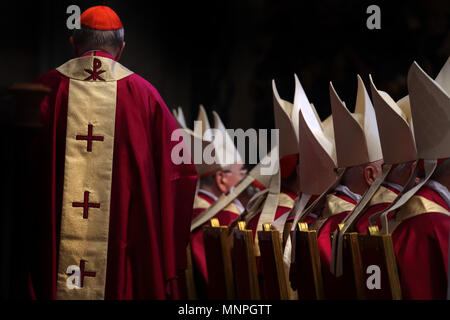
(85, 205)
(83, 273)
(95, 73)
(90, 138)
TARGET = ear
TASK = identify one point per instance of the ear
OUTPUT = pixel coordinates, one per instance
(221, 182)
(74, 47)
(371, 173)
(120, 51)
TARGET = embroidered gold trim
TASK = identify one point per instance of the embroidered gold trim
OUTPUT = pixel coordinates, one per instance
(200, 203)
(86, 238)
(415, 206)
(76, 69)
(285, 201)
(232, 208)
(335, 205)
(383, 195)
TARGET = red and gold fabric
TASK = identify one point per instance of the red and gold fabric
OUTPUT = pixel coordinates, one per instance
(337, 207)
(91, 111)
(110, 204)
(384, 196)
(421, 243)
(226, 216)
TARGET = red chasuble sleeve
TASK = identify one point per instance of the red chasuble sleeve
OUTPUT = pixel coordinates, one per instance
(225, 217)
(151, 198)
(335, 288)
(421, 248)
(177, 184)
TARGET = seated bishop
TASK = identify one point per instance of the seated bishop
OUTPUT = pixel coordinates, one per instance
(358, 151)
(420, 228)
(216, 178)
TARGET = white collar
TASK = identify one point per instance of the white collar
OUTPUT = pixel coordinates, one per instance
(440, 189)
(346, 191)
(395, 186)
(209, 194)
(236, 201)
(239, 205)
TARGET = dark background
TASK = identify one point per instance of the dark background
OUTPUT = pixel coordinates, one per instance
(223, 54)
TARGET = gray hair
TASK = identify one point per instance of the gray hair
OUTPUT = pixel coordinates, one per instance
(86, 39)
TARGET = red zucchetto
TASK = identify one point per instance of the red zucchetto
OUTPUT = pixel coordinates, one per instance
(101, 18)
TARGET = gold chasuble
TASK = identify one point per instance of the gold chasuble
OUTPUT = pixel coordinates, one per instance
(87, 176)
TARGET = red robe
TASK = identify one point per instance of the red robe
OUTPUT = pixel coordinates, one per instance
(225, 216)
(377, 204)
(337, 213)
(421, 247)
(151, 198)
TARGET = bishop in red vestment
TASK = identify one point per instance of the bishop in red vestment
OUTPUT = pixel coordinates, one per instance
(420, 228)
(112, 210)
(421, 243)
(203, 201)
(358, 150)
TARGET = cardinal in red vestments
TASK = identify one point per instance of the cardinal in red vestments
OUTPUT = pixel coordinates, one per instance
(112, 211)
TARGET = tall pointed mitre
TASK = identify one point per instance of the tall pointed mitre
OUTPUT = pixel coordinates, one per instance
(394, 126)
(318, 157)
(286, 121)
(179, 117)
(226, 151)
(356, 134)
(203, 118)
(430, 108)
(198, 141)
(443, 77)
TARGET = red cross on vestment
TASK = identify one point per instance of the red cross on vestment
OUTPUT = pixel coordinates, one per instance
(90, 138)
(85, 205)
(95, 72)
(83, 273)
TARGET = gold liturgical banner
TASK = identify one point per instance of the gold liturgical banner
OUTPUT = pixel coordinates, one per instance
(87, 176)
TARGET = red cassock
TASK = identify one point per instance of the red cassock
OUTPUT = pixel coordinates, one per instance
(421, 245)
(337, 207)
(225, 216)
(151, 197)
(381, 200)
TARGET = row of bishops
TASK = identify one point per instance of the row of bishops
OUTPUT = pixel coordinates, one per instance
(357, 208)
